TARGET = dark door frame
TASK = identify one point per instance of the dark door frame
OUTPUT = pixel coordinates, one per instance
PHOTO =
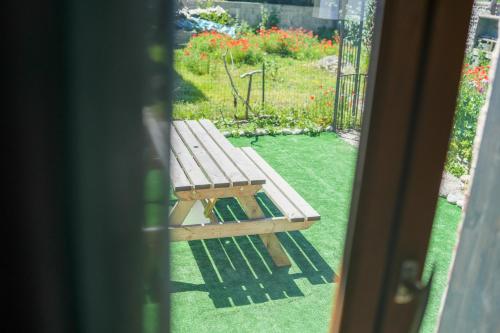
(413, 83)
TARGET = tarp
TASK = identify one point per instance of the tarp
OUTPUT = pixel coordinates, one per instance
(197, 24)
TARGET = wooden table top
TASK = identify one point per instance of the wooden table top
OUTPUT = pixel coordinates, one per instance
(202, 158)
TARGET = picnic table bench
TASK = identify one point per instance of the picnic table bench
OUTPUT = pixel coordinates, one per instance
(204, 166)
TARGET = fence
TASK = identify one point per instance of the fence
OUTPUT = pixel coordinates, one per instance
(289, 88)
(351, 96)
(350, 87)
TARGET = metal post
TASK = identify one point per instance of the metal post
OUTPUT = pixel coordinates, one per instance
(248, 96)
(339, 72)
(263, 82)
(358, 59)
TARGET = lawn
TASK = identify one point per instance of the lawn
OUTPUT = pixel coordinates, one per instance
(230, 284)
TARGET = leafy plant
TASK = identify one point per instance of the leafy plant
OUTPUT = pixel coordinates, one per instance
(471, 99)
(264, 17)
(222, 18)
(369, 23)
(243, 28)
(271, 67)
(325, 33)
(273, 20)
(320, 105)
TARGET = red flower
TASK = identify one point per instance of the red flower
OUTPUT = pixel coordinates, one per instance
(312, 97)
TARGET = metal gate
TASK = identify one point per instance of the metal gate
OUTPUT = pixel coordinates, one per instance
(349, 104)
(350, 84)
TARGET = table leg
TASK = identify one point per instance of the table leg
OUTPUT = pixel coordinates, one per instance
(209, 205)
(180, 211)
(271, 242)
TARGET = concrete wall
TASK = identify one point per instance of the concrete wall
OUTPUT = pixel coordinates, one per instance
(290, 16)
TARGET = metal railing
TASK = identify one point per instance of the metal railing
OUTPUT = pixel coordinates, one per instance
(349, 108)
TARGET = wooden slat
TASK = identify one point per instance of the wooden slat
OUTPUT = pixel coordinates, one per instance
(227, 166)
(197, 150)
(225, 192)
(179, 180)
(187, 162)
(239, 159)
(251, 227)
(157, 131)
(280, 200)
(279, 183)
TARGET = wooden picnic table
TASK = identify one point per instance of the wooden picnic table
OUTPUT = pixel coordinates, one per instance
(204, 166)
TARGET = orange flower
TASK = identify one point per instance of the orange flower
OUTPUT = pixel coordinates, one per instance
(312, 97)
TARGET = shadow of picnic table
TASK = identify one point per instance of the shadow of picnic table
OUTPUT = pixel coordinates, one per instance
(239, 271)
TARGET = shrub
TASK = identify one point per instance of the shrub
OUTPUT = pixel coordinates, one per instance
(268, 20)
(294, 43)
(471, 99)
(221, 18)
(215, 14)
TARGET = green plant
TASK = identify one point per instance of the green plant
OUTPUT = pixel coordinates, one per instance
(320, 105)
(199, 64)
(471, 99)
(351, 31)
(222, 18)
(243, 28)
(482, 58)
(268, 19)
(369, 23)
(264, 17)
(325, 33)
(271, 68)
(273, 19)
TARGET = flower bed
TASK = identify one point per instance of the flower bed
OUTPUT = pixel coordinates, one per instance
(250, 48)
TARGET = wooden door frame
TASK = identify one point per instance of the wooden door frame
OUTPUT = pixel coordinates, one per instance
(413, 84)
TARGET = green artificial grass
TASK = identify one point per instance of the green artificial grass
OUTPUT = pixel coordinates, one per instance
(231, 285)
